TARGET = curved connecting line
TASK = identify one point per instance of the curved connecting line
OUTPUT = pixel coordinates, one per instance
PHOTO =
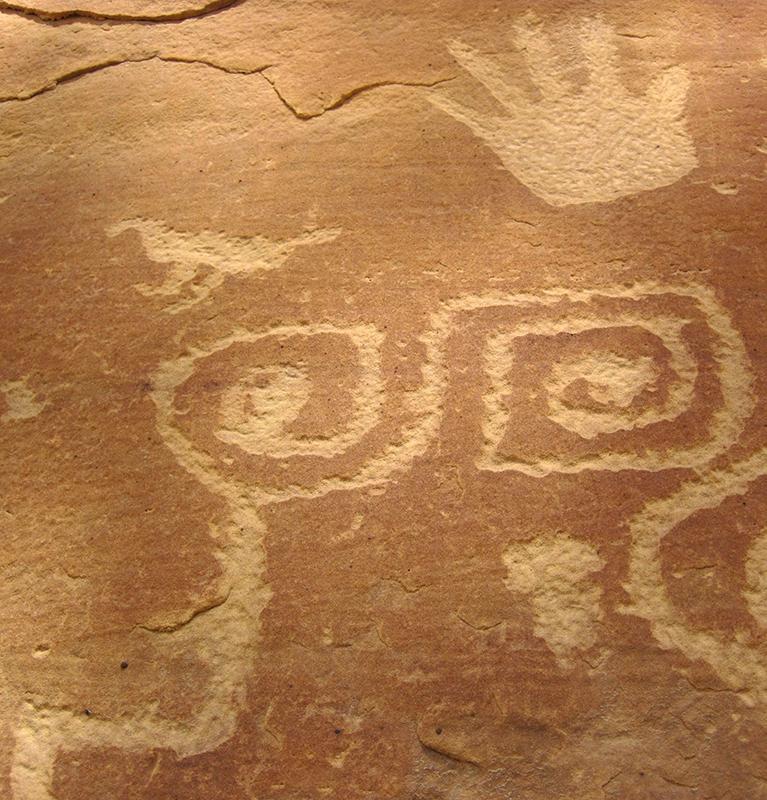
(740, 666)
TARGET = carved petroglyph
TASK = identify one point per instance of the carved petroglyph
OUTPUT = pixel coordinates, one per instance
(741, 664)
(725, 425)
(755, 591)
(263, 395)
(224, 637)
(585, 145)
(555, 573)
(254, 418)
(614, 382)
(21, 402)
(199, 262)
(256, 412)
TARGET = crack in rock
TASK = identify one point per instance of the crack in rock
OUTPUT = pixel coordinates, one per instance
(446, 752)
(91, 69)
(73, 75)
(87, 16)
(346, 96)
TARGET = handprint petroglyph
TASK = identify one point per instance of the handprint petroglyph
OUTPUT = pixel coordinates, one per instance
(199, 262)
(579, 145)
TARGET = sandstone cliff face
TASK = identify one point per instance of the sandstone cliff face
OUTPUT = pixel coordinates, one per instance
(382, 400)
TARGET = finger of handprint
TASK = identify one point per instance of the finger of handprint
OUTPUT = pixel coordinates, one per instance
(482, 126)
(600, 52)
(487, 73)
(545, 68)
(668, 92)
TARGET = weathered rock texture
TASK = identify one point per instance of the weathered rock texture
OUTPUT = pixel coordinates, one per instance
(383, 400)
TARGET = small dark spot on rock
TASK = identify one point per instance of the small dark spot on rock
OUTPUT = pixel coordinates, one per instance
(87, 712)
(438, 731)
(337, 731)
(123, 665)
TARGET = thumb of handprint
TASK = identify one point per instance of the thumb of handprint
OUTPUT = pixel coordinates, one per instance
(585, 144)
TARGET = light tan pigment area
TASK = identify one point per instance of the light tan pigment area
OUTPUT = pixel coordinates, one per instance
(382, 400)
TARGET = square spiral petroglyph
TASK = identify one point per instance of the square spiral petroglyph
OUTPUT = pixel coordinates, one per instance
(611, 380)
(621, 389)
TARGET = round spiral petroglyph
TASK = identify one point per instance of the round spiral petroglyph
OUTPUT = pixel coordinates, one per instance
(257, 412)
(289, 415)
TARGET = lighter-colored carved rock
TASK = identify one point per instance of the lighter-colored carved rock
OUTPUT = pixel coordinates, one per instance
(614, 382)
(224, 636)
(741, 664)
(424, 406)
(555, 573)
(190, 254)
(755, 590)
(255, 420)
(257, 411)
(578, 145)
(21, 401)
(731, 363)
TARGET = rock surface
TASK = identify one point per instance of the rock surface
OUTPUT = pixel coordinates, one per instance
(382, 400)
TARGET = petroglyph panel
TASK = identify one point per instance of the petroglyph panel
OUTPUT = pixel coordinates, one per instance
(382, 400)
